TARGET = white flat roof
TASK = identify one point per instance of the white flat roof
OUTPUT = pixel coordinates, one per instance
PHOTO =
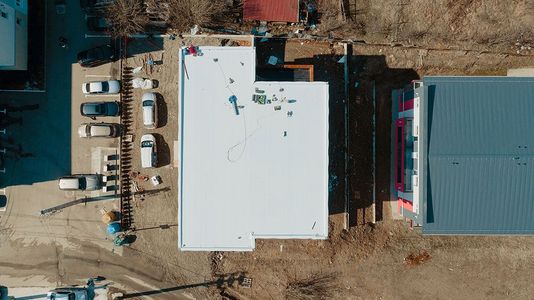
(260, 174)
(7, 35)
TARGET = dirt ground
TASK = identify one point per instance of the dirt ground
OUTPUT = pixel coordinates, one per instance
(395, 42)
(444, 24)
(387, 260)
(368, 261)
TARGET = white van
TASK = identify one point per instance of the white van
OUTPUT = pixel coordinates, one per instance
(150, 110)
(149, 154)
(80, 182)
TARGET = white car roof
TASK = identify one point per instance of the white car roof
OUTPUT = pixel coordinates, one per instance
(146, 152)
(69, 183)
(148, 115)
(95, 86)
(148, 137)
(100, 130)
(149, 96)
(96, 130)
(146, 157)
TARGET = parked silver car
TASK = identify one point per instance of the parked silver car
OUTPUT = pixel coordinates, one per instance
(101, 87)
(107, 130)
(149, 107)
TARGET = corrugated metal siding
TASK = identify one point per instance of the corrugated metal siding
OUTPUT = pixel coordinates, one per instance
(271, 10)
(480, 155)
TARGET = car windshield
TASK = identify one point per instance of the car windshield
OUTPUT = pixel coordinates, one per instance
(148, 103)
(146, 144)
(83, 183)
(105, 86)
(93, 109)
(88, 87)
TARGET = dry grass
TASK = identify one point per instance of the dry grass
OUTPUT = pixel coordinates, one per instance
(317, 286)
(127, 17)
(417, 259)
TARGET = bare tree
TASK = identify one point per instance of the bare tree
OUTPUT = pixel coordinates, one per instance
(183, 14)
(127, 17)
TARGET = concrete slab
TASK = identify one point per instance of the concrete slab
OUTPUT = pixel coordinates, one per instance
(521, 72)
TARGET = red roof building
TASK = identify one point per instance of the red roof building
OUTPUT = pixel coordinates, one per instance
(271, 10)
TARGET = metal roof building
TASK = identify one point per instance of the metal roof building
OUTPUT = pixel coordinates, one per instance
(253, 155)
(271, 10)
(464, 154)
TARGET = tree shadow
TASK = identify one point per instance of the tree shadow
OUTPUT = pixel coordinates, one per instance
(147, 44)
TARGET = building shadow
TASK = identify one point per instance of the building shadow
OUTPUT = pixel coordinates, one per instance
(39, 148)
(32, 149)
(267, 48)
(33, 77)
(370, 89)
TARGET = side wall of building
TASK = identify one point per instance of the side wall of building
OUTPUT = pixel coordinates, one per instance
(14, 37)
(406, 158)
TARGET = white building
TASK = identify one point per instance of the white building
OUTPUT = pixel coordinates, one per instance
(253, 155)
(13, 34)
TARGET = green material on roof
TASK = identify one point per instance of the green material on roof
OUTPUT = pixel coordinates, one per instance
(478, 137)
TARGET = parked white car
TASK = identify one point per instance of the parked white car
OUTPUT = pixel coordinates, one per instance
(150, 110)
(107, 130)
(81, 182)
(101, 87)
(149, 154)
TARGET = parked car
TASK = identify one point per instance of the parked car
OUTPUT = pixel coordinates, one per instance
(98, 24)
(3, 292)
(89, 130)
(100, 109)
(150, 110)
(101, 87)
(96, 56)
(149, 154)
(80, 182)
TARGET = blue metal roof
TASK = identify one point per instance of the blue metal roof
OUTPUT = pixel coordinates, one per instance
(478, 144)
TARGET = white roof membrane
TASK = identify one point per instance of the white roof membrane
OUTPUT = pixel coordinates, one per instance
(262, 173)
